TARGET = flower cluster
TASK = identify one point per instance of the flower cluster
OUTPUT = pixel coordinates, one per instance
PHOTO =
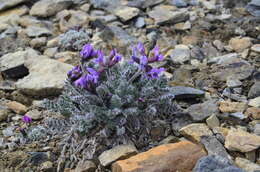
(144, 59)
(87, 77)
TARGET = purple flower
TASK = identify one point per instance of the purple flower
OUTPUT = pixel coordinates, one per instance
(81, 82)
(87, 52)
(141, 49)
(92, 75)
(100, 58)
(154, 73)
(134, 55)
(156, 56)
(26, 119)
(143, 62)
(90, 78)
(74, 73)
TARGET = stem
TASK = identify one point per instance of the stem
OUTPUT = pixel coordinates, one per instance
(82, 68)
(135, 75)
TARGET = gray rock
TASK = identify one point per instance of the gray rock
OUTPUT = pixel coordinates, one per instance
(140, 22)
(215, 163)
(201, 111)
(247, 165)
(231, 83)
(238, 115)
(85, 166)
(46, 8)
(257, 129)
(179, 3)
(35, 31)
(180, 54)
(168, 15)
(214, 147)
(46, 77)
(126, 13)
(254, 8)
(254, 90)
(12, 64)
(9, 131)
(118, 152)
(223, 59)
(108, 5)
(181, 92)
(213, 121)
(254, 102)
(4, 4)
(4, 114)
(144, 3)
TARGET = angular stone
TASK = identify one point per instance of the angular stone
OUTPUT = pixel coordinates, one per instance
(180, 156)
(247, 165)
(116, 153)
(17, 107)
(35, 114)
(213, 163)
(46, 8)
(46, 77)
(180, 54)
(126, 13)
(35, 31)
(3, 114)
(254, 102)
(164, 14)
(213, 121)
(86, 166)
(12, 16)
(231, 107)
(253, 112)
(239, 140)
(144, 3)
(254, 90)
(223, 59)
(195, 131)
(240, 44)
(256, 48)
(201, 111)
(4, 4)
(38, 42)
(181, 92)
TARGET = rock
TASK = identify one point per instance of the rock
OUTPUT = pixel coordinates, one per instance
(179, 3)
(86, 166)
(231, 107)
(195, 131)
(247, 165)
(35, 31)
(254, 8)
(17, 107)
(219, 45)
(223, 59)
(214, 147)
(257, 129)
(213, 121)
(254, 102)
(232, 83)
(37, 158)
(126, 13)
(50, 52)
(181, 77)
(85, 7)
(9, 131)
(256, 48)
(213, 163)
(253, 112)
(144, 4)
(12, 64)
(12, 16)
(10, 3)
(72, 18)
(38, 42)
(180, 54)
(3, 114)
(164, 14)
(47, 8)
(238, 115)
(140, 22)
(240, 44)
(27, 21)
(35, 114)
(46, 77)
(181, 92)
(239, 140)
(108, 5)
(209, 5)
(201, 111)
(116, 153)
(47, 166)
(254, 90)
(180, 156)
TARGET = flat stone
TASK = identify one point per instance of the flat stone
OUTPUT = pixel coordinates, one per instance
(195, 131)
(213, 121)
(86, 166)
(4, 114)
(38, 42)
(253, 112)
(254, 102)
(201, 111)
(256, 48)
(247, 165)
(239, 140)
(254, 90)
(46, 77)
(214, 147)
(17, 107)
(181, 92)
(4, 4)
(257, 129)
(231, 107)
(47, 8)
(179, 3)
(213, 163)
(240, 44)
(116, 153)
(126, 13)
(144, 3)
(9, 131)
(180, 54)
(180, 156)
(35, 31)
(232, 83)
(12, 16)
(164, 14)
(140, 22)
(236, 68)
(35, 114)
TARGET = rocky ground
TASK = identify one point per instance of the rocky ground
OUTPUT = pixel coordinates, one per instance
(212, 46)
